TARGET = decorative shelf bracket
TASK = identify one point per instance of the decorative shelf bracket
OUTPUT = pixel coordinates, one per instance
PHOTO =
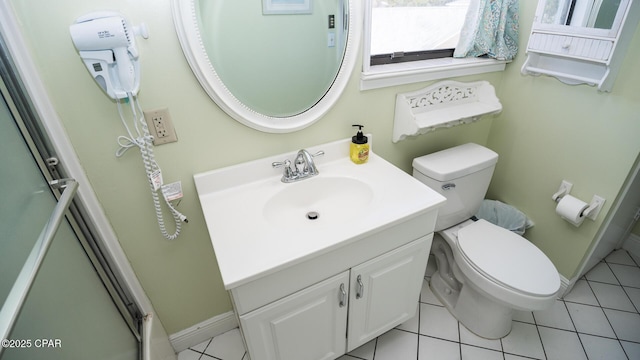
(444, 104)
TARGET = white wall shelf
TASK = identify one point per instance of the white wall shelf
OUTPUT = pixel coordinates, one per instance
(444, 104)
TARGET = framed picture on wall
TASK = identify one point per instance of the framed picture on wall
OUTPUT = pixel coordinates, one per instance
(273, 7)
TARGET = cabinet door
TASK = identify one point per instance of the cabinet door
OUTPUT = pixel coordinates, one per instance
(310, 324)
(385, 290)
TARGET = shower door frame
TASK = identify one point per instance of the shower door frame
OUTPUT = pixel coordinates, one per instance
(85, 199)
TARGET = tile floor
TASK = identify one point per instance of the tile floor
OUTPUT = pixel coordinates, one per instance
(598, 319)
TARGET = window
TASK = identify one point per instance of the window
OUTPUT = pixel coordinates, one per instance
(410, 41)
(409, 30)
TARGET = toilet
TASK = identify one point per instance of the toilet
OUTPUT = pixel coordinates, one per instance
(485, 272)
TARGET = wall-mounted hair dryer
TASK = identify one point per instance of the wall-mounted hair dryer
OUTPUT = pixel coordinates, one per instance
(106, 44)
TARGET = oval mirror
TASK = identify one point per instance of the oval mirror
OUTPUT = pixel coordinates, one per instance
(273, 65)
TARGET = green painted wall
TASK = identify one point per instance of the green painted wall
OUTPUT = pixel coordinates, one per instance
(181, 277)
(548, 132)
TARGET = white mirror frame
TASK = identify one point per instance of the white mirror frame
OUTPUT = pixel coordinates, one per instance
(185, 21)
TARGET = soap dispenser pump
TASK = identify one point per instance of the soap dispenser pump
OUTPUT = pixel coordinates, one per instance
(359, 151)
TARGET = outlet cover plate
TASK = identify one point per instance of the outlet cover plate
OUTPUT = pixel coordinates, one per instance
(160, 126)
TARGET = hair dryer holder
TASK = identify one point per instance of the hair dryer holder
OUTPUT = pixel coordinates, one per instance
(106, 44)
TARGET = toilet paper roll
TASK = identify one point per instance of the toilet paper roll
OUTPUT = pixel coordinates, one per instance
(571, 208)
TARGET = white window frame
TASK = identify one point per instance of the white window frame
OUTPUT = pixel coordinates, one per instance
(379, 76)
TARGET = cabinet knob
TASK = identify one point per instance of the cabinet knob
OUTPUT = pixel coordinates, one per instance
(360, 289)
(342, 297)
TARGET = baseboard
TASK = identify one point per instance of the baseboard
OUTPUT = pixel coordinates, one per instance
(200, 332)
(632, 244)
(565, 286)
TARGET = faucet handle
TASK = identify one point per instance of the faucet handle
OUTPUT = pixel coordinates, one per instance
(279, 164)
(287, 167)
(319, 153)
(288, 174)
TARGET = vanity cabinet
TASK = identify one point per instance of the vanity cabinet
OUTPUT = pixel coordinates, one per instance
(309, 289)
(342, 312)
(385, 291)
(309, 324)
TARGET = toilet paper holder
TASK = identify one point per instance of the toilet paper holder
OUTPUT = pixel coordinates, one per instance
(565, 189)
(591, 212)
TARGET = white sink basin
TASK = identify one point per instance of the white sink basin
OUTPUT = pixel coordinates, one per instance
(318, 201)
(259, 225)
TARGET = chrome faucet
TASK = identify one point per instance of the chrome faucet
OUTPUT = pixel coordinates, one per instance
(304, 167)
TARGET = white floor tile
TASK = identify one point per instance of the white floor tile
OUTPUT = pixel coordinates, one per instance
(201, 347)
(590, 320)
(426, 295)
(523, 316)
(634, 295)
(632, 349)
(612, 296)
(411, 324)
(189, 355)
(581, 293)
(599, 348)
(620, 256)
(556, 317)
(365, 351)
(436, 321)
(227, 346)
(514, 357)
(523, 340)
(550, 335)
(476, 353)
(347, 357)
(561, 345)
(397, 345)
(436, 349)
(627, 275)
(467, 337)
(601, 273)
(625, 324)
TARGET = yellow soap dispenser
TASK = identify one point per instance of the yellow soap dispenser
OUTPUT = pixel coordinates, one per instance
(359, 151)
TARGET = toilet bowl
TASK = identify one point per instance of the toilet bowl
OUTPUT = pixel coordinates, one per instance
(498, 272)
(485, 272)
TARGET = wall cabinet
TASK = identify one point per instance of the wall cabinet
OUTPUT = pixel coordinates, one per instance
(342, 312)
(581, 42)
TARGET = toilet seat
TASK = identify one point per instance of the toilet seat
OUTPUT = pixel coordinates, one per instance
(507, 259)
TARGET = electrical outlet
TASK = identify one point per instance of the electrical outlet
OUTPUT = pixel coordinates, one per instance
(160, 126)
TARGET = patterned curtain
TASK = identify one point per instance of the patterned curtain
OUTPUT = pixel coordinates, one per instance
(491, 29)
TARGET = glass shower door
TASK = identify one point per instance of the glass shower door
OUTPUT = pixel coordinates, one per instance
(68, 313)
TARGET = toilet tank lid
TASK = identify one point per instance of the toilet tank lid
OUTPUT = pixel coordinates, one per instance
(455, 162)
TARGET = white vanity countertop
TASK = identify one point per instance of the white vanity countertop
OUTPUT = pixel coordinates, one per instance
(248, 245)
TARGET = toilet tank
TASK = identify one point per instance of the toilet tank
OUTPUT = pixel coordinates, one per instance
(461, 174)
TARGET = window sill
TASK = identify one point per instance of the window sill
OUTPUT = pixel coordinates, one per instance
(418, 71)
